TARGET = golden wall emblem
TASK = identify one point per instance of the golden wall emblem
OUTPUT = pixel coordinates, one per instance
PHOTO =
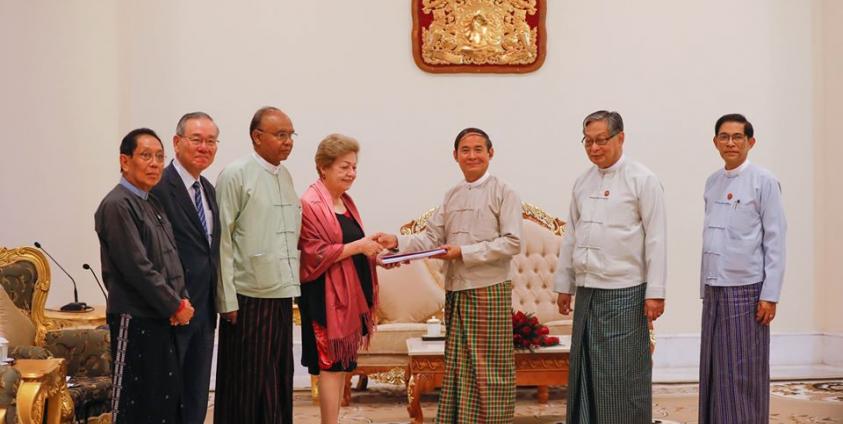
(479, 35)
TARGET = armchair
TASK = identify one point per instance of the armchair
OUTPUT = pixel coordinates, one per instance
(25, 278)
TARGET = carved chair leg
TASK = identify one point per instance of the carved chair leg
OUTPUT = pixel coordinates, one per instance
(542, 394)
(363, 382)
(346, 393)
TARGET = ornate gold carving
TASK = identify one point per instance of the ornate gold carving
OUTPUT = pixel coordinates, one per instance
(480, 32)
(423, 365)
(393, 376)
(540, 362)
(43, 382)
(417, 225)
(539, 216)
(104, 418)
(41, 289)
(528, 211)
(418, 385)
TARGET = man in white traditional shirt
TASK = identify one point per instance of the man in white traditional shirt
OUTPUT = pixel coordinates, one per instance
(743, 260)
(479, 223)
(613, 257)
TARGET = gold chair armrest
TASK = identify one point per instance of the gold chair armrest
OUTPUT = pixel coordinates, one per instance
(43, 382)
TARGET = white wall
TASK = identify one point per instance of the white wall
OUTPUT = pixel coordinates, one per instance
(59, 119)
(829, 174)
(92, 72)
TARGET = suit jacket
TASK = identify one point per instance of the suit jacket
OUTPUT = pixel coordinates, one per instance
(140, 266)
(199, 258)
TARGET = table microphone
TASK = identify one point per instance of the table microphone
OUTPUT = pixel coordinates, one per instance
(88, 267)
(74, 306)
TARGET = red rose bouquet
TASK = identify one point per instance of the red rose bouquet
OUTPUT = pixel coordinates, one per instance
(528, 333)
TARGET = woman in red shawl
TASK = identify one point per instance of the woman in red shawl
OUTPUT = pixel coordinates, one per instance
(339, 280)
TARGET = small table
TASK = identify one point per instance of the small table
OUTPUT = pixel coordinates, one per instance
(543, 367)
(89, 319)
(43, 380)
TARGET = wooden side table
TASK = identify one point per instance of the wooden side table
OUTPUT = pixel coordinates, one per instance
(57, 320)
(543, 367)
(43, 382)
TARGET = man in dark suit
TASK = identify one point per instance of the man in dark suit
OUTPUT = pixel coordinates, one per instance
(190, 202)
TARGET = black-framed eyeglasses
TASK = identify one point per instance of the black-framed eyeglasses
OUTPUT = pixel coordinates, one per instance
(281, 135)
(587, 142)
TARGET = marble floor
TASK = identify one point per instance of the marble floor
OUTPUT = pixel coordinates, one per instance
(794, 402)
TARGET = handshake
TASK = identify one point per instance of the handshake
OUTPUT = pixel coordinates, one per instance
(373, 245)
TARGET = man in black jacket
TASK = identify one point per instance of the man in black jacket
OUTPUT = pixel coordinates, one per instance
(189, 201)
(147, 295)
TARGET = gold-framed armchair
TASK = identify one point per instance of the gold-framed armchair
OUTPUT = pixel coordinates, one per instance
(25, 279)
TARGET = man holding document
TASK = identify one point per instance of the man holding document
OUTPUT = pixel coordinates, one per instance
(479, 227)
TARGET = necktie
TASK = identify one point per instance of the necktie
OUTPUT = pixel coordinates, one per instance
(200, 208)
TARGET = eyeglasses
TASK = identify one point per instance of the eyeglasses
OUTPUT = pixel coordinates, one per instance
(281, 135)
(198, 141)
(587, 142)
(147, 157)
(725, 138)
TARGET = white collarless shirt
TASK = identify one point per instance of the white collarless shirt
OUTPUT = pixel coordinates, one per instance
(616, 234)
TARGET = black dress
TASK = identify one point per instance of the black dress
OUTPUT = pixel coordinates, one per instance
(312, 300)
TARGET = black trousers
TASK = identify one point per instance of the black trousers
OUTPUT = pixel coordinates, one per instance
(146, 373)
(195, 344)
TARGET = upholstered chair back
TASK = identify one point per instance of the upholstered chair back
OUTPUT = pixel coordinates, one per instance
(25, 278)
(532, 273)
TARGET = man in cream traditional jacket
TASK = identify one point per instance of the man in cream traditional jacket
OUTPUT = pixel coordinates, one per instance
(479, 224)
(613, 257)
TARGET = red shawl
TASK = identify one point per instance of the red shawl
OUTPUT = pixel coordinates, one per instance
(321, 244)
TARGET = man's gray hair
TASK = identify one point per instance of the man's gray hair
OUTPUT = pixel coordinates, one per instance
(613, 119)
(189, 116)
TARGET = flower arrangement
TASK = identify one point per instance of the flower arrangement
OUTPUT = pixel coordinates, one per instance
(528, 333)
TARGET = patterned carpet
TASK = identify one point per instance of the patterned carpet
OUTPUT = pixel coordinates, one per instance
(791, 402)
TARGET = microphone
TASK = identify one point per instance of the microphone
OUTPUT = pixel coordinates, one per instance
(74, 306)
(88, 267)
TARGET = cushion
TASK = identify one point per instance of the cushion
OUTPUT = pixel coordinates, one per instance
(392, 338)
(91, 395)
(9, 383)
(15, 326)
(86, 350)
(386, 360)
(437, 269)
(408, 294)
(562, 327)
(29, 352)
(18, 280)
